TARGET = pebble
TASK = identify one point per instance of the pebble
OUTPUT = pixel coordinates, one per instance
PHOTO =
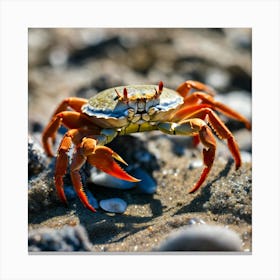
(202, 237)
(113, 205)
(66, 239)
(195, 164)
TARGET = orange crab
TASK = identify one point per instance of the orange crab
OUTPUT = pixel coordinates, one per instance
(93, 123)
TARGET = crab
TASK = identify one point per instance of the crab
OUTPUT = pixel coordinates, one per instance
(93, 123)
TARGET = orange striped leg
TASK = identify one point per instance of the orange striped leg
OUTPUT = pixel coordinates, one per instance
(208, 140)
(185, 88)
(210, 102)
(221, 130)
(74, 103)
(69, 120)
(62, 163)
(198, 127)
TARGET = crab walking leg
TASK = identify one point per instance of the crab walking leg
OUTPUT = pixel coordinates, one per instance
(185, 88)
(102, 158)
(68, 119)
(207, 101)
(74, 103)
(62, 163)
(193, 127)
(221, 131)
(78, 161)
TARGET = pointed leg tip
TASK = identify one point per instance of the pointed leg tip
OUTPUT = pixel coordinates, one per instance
(193, 190)
(237, 166)
(92, 209)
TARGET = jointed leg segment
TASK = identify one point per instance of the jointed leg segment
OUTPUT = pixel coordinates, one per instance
(195, 127)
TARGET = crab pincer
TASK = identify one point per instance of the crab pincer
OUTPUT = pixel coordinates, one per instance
(103, 158)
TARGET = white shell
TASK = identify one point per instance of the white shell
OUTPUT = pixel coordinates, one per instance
(113, 205)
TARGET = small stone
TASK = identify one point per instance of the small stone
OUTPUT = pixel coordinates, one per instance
(195, 164)
(113, 205)
(202, 237)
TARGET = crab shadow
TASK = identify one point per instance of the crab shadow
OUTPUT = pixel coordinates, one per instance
(105, 228)
(196, 205)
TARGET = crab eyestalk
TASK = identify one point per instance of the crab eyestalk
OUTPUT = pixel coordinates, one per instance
(123, 98)
(159, 91)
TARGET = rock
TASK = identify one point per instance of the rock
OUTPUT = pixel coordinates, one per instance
(233, 194)
(67, 239)
(36, 158)
(202, 238)
(41, 193)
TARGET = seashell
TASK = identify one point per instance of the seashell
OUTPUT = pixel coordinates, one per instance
(113, 205)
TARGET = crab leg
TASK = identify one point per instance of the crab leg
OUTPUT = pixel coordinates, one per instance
(193, 127)
(102, 158)
(221, 130)
(68, 119)
(74, 103)
(77, 162)
(62, 163)
(207, 101)
(185, 88)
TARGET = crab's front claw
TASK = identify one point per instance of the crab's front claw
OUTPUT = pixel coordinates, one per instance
(105, 159)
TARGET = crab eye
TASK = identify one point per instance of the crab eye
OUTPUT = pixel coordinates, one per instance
(123, 98)
(160, 87)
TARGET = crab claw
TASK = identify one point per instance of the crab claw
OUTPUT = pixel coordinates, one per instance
(103, 159)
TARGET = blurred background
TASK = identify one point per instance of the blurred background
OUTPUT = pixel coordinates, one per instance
(82, 62)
